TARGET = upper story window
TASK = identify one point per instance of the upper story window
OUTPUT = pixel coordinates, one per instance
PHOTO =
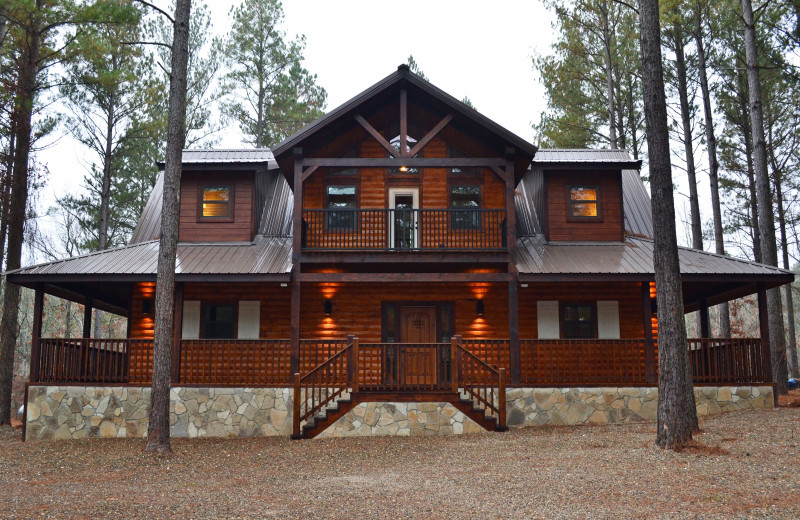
(467, 198)
(404, 170)
(577, 321)
(583, 202)
(343, 199)
(462, 170)
(352, 153)
(216, 202)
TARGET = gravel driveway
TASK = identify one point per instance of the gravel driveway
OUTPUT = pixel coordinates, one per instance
(746, 466)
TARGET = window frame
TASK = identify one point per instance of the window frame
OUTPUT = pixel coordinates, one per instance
(562, 305)
(201, 201)
(598, 206)
(339, 229)
(204, 305)
(460, 227)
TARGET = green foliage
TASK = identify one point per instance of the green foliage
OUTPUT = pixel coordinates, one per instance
(575, 78)
(269, 93)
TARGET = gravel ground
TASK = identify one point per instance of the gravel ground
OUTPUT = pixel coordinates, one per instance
(743, 466)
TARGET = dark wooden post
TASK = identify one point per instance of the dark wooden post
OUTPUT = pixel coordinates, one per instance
(296, 407)
(354, 340)
(766, 353)
(501, 398)
(177, 333)
(36, 332)
(455, 341)
(511, 242)
(297, 236)
(705, 327)
(87, 318)
(649, 345)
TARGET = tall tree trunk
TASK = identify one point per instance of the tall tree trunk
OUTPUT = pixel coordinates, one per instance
(688, 140)
(677, 416)
(158, 428)
(612, 119)
(105, 201)
(713, 170)
(260, 121)
(766, 224)
(791, 344)
(23, 112)
(751, 179)
(5, 194)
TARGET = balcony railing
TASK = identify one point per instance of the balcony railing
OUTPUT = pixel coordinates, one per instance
(391, 366)
(404, 229)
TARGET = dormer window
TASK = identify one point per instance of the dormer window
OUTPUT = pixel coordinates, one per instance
(583, 201)
(216, 202)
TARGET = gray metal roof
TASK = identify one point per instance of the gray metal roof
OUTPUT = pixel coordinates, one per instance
(276, 219)
(231, 155)
(632, 257)
(581, 155)
(266, 255)
(636, 205)
(149, 225)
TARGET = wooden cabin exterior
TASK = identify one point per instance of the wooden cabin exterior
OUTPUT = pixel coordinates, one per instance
(401, 248)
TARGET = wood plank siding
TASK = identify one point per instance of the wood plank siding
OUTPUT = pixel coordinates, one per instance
(559, 227)
(240, 227)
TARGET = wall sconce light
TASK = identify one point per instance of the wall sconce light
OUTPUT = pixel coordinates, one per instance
(328, 309)
(147, 306)
(284, 285)
(403, 169)
(523, 285)
(479, 307)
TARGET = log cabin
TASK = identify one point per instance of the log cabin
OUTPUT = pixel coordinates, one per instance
(401, 266)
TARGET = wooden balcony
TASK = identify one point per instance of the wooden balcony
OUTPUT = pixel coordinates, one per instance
(391, 367)
(404, 230)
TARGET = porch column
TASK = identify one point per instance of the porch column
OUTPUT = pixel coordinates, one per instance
(511, 242)
(36, 331)
(705, 328)
(766, 353)
(297, 244)
(177, 332)
(87, 318)
(649, 345)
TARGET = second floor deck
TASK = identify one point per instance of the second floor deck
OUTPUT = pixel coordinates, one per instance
(404, 230)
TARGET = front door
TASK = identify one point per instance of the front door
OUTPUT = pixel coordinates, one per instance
(404, 219)
(417, 355)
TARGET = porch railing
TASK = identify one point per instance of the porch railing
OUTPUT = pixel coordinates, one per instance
(390, 366)
(404, 229)
(403, 367)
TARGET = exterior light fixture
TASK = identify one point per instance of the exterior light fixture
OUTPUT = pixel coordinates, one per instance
(328, 308)
(479, 307)
(523, 285)
(147, 306)
(403, 169)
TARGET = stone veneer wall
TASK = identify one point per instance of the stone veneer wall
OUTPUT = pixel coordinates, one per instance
(74, 412)
(570, 406)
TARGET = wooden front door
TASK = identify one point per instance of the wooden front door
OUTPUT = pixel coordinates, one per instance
(418, 362)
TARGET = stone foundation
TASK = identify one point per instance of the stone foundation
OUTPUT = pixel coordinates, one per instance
(402, 419)
(74, 412)
(572, 406)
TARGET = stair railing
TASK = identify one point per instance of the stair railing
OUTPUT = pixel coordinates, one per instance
(322, 386)
(484, 384)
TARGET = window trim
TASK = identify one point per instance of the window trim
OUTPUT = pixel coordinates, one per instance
(355, 228)
(231, 203)
(561, 307)
(597, 201)
(450, 186)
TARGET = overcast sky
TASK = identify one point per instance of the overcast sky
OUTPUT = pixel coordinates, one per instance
(467, 48)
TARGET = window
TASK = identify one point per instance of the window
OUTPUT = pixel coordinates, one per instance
(583, 202)
(410, 142)
(467, 199)
(216, 202)
(352, 153)
(219, 321)
(342, 199)
(577, 321)
(462, 170)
